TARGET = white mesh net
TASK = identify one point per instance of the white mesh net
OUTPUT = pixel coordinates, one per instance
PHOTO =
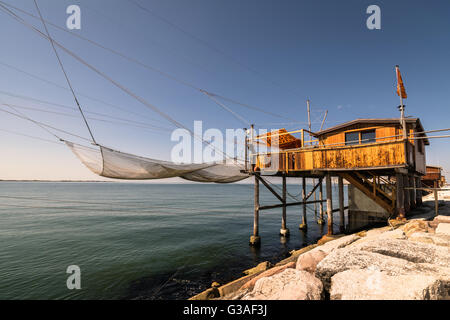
(118, 165)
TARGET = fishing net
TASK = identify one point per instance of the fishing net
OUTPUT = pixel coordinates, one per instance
(110, 163)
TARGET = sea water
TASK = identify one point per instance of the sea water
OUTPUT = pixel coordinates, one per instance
(137, 240)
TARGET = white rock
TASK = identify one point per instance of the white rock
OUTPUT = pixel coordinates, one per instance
(443, 228)
(290, 284)
(396, 257)
(372, 284)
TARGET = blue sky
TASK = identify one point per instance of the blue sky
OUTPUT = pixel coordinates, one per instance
(269, 54)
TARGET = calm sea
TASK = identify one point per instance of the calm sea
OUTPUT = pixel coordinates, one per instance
(135, 241)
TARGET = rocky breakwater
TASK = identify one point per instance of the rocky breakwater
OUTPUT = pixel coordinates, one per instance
(410, 260)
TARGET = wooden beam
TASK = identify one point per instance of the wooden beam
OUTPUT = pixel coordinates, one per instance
(339, 209)
(366, 191)
(329, 204)
(303, 225)
(256, 207)
(320, 221)
(341, 204)
(436, 199)
(400, 196)
(299, 203)
(269, 187)
(314, 189)
(283, 218)
(255, 239)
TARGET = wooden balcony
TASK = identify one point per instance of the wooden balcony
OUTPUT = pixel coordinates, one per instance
(381, 155)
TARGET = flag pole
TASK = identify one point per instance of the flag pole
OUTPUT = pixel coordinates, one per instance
(402, 106)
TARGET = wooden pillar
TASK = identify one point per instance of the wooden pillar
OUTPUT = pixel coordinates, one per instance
(341, 205)
(412, 192)
(436, 199)
(255, 239)
(315, 199)
(329, 204)
(284, 231)
(320, 221)
(303, 225)
(400, 196)
(406, 194)
(418, 192)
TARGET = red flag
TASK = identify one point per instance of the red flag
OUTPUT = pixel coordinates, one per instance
(400, 87)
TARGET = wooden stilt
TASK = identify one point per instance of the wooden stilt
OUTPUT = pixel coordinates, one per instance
(315, 198)
(255, 239)
(320, 220)
(341, 205)
(412, 192)
(400, 196)
(303, 225)
(407, 194)
(418, 192)
(329, 204)
(284, 231)
(436, 199)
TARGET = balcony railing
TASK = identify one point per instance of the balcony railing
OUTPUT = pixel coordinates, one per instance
(390, 154)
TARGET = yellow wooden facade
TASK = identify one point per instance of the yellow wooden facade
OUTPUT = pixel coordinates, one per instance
(386, 149)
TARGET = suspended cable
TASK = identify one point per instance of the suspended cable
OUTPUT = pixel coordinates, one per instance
(125, 122)
(32, 137)
(160, 72)
(62, 87)
(211, 47)
(58, 105)
(235, 114)
(44, 126)
(114, 82)
(64, 71)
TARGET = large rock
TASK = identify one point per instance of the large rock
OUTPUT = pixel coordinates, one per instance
(268, 273)
(382, 233)
(260, 267)
(443, 229)
(395, 257)
(290, 284)
(372, 284)
(309, 260)
(415, 226)
(338, 243)
(437, 239)
(442, 219)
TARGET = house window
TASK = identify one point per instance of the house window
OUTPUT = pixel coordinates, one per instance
(368, 136)
(351, 138)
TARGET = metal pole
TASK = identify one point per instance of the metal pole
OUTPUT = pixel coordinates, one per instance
(329, 204)
(246, 150)
(323, 121)
(309, 120)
